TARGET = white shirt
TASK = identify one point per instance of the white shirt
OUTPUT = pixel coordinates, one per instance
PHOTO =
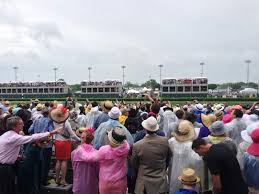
(10, 143)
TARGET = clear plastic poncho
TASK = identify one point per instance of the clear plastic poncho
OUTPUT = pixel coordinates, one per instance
(182, 157)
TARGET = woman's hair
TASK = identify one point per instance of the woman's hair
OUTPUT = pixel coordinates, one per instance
(88, 137)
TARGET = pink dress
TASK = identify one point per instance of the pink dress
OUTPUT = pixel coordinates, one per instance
(85, 174)
(113, 167)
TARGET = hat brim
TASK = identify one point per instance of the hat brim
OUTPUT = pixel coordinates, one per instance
(55, 118)
(253, 149)
(112, 141)
(189, 183)
(106, 108)
(144, 124)
(205, 120)
(217, 133)
(246, 137)
(190, 136)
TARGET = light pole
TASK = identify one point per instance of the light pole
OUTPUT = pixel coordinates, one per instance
(89, 71)
(55, 71)
(15, 73)
(160, 75)
(123, 74)
(247, 71)
(202, 64)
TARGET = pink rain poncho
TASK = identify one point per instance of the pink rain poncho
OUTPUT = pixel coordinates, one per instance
(113, 167)
(85, 174)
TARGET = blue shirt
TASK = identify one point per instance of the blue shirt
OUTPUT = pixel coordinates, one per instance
(251, 170)
(43, 124)
(185, 191)
(101, 119)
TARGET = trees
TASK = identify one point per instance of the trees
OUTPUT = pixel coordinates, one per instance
(151, 84)
(212, 86)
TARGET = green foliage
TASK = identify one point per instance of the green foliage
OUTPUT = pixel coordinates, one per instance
(131, 85)
(75, 87)
(212, 86)
(151, 84)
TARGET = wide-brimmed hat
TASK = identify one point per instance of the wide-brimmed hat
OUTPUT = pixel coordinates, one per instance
(116, 136)
(226, 118)
(219, 115)
(239, 107)
(114, 113)
(218, 107)
(59, 115)
(6, 103)
(199, 107)
(39, 107)
(217, 128)
(107, 105)
(207, 120)
(246, 134)
(185, 131)
(189, 177)
(150, 124)
(253, 149)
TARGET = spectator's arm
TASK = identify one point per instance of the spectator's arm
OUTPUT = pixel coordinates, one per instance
(216, 184)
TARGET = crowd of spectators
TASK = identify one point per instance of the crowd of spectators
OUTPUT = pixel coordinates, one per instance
(102, 83)
(33, 84)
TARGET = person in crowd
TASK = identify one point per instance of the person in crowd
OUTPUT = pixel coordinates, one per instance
(38, 112)
(218, 134)
(247, 141)
(92, 116)
(169, 120)
(251, 163)
(150, 157)
(133, 122)
(182, 154)
(43, 124)
(206, 121)
(198, 110)
(219, 115)
(25, 115)
(101, 137)
(223, 166)
(10, 143)
(142, 133)
(63, 142)
(85, 174)
(112, 159)
(124, 115)
(236, 126)
(189, 182)
(106, 107)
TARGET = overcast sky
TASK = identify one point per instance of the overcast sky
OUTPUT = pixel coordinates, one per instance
(38, 35)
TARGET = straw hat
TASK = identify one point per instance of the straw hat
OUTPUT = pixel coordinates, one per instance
(219, 107)
(189, 177)
(59, 115)
(199, 107)
(116, 136)
(184, 132)
(39, 107)
(150, 124)
(207, 120)
(219, 115)
(107, 105)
